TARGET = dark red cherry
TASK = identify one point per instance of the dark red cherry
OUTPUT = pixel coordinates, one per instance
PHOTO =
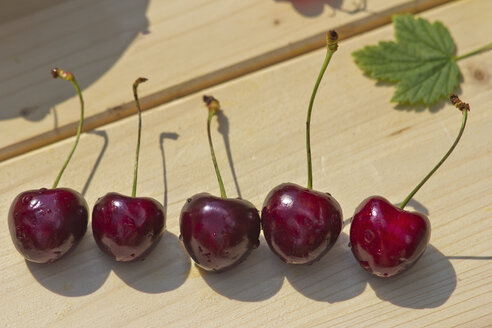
(47, 223)
(219, 233)
(300, 224)
(127, 228)
(387, 240)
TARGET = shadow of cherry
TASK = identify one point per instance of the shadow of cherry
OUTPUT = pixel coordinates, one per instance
(66, 40)
(258, 278)
(79, 273)
(166, 268)
(312, 8)
(427, 284)
(335, 278)
(20, 8)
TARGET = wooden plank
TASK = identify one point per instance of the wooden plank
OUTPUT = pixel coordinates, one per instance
(181, 46)
(362, 145)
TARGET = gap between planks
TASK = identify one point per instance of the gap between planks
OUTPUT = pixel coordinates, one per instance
(219, 76)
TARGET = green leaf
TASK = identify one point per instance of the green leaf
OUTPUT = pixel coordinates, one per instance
(421, 62)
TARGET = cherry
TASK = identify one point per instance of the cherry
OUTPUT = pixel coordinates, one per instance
(300, 224)
(45, 224)
(387, 240)
(218, 232)
(128, 228)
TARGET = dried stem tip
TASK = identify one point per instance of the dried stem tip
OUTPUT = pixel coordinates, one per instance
(61, 74)
(332, 40)
(139, 80)
(212, 104)
(456, 101)
(135, 85)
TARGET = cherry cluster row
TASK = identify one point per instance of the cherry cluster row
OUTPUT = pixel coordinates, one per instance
(299, 224)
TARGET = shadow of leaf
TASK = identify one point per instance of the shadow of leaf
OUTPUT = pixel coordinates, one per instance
(420, 108)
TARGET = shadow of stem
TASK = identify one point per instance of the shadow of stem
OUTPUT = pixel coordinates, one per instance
(104, 135)
(458, 257)
(224, 131)
(162, 137)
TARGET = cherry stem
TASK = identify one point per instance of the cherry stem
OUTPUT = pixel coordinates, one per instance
(67, 76)
(213, 107)
(135, 95)
(474, 52)
(464, 108)
(331, 47)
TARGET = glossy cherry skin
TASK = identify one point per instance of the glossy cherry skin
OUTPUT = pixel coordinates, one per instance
(385, 239)
(127, 228)
(300, 225)
(47, 223)
(219, 233)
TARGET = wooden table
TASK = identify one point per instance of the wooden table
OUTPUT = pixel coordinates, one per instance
(260, 59)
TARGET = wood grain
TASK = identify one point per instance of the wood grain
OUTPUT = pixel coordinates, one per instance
(362, 145)
(182, 47)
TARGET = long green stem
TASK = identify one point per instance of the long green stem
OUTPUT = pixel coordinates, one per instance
(331, 47)
(67, 76)
(474, 52)
(464, 107)
(213, 107)
(135, 95)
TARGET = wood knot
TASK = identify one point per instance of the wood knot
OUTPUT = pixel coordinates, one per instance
(26, 111)
(116, 109)
(400, 131)
(479, 75)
